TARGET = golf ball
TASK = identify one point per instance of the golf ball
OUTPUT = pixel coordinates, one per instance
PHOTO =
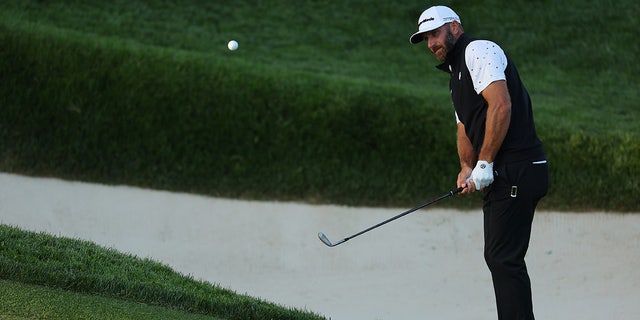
(232, 45)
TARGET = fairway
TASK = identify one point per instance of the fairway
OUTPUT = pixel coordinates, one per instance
(428, 264)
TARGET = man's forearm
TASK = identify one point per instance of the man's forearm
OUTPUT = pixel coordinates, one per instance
(465, 149)
(497, 125)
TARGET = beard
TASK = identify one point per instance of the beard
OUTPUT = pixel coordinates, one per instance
(442, 51)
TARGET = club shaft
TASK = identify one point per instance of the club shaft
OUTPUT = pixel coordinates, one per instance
(448, 194)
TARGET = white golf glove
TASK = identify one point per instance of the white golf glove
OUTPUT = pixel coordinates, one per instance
(482, 174)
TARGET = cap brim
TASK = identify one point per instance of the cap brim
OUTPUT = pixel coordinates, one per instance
(417, 37)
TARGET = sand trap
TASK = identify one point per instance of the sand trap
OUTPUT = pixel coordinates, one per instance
(427, 265)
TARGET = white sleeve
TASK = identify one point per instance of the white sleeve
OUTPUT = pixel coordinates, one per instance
(457, 118)
(486, 63)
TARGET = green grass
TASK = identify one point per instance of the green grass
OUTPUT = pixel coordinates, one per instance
(24, 301)
(577, 57)
(320, 103)
(105, 276)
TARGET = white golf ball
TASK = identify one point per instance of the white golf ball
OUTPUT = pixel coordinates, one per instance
(232, 45)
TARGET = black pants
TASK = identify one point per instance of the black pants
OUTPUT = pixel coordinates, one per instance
(509, 205)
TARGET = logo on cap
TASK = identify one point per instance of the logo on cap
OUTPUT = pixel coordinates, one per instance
(426, 20)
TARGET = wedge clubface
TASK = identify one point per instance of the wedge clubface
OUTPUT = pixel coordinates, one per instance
(328, 242)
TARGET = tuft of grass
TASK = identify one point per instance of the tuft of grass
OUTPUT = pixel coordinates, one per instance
(83, 267)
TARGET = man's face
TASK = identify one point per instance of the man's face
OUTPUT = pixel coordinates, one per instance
(440, 41)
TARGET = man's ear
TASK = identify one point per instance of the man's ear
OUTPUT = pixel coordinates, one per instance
(456, 28)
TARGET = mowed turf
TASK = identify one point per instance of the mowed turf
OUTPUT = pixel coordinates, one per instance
(576, 57)
(324, 103)
(110, 284)
(24, 301)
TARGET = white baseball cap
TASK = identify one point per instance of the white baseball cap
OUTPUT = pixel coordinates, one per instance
(433, 18)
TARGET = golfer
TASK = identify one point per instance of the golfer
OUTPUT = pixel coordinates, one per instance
(499, 150)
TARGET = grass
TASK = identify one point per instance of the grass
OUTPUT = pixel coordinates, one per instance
(582, 69)
(103, 277)
(25, 301)
(317, 106)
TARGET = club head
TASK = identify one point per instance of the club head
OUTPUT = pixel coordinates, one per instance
(324, 239)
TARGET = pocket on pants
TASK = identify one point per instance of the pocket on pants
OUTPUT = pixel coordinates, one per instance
(517, 180)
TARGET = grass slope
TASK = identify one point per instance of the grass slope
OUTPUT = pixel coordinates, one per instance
(577, 57)
(320, 103)
(330, 102)
(83, 267)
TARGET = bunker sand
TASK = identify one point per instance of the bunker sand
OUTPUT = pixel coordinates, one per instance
(427, 265)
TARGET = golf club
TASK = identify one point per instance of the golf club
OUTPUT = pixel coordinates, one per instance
(326, 240)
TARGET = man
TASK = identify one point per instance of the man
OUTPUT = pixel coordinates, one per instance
(499, 150)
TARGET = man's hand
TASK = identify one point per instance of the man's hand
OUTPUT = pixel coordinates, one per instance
(463, 180)
(482, 174)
